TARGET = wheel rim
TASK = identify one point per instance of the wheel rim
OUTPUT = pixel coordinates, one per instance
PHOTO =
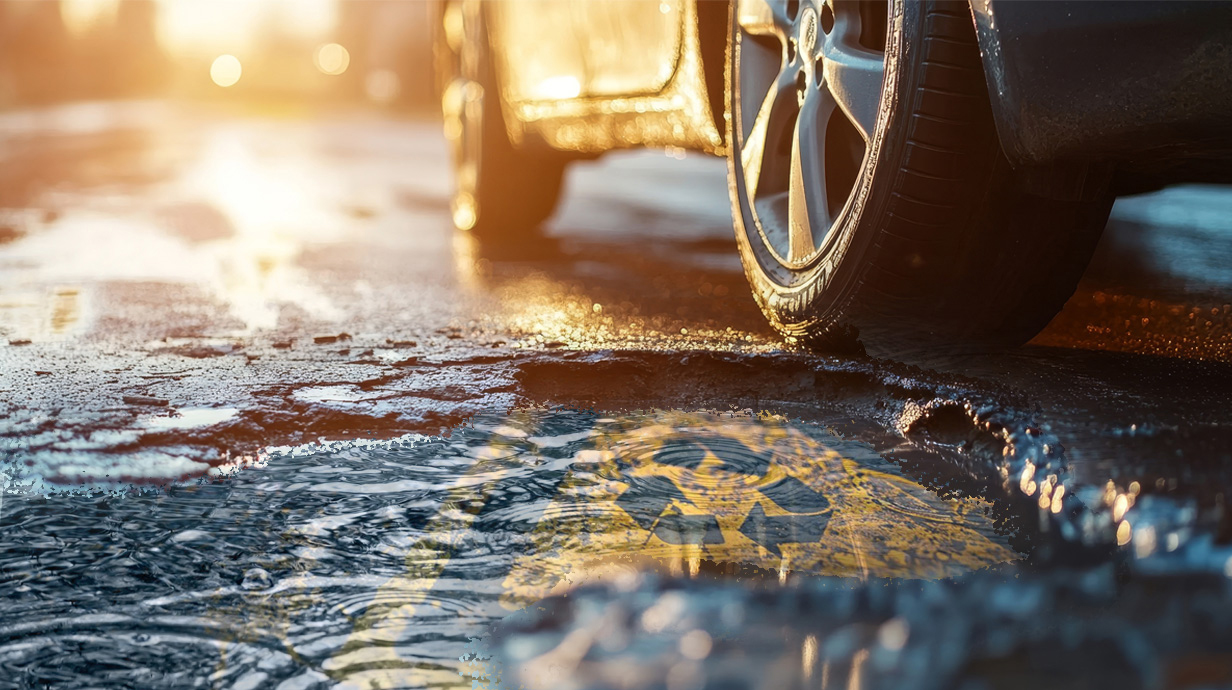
(808, 85)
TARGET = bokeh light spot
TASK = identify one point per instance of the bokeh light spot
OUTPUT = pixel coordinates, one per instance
(560, 87)
(332, 59)
(226, 70)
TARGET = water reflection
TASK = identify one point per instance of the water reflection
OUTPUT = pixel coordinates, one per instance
(681, 488)
(372, 564)
(231, 220)
(188, 418)
(44, 314)
(544, 297)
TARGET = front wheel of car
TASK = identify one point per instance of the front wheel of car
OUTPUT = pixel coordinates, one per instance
(870, 194)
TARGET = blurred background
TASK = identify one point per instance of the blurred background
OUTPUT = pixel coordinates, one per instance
(271, 53)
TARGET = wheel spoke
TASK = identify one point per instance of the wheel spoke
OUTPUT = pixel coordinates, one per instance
(800, 230)
(807, 204)
(764, 17)
(776, 115)
(853, 74)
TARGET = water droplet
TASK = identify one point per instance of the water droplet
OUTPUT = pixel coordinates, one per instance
(695, 645)
(893, 634)
(257, 578)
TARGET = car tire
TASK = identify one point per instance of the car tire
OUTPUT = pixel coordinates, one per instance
(914, 231)
(502, 192)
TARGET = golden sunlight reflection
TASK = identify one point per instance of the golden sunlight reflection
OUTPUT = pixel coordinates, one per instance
(540, 310)
(226, 70)
(45, 315)
(544, 311)
(332, 59)
(808, 656)
(188, 26)
(274, 207)
(263, 208)
(559, 87)
(856, 680)
(760, 491)
(864, 516)
(80, 16)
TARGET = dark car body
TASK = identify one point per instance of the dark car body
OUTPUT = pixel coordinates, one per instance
(1145, 86)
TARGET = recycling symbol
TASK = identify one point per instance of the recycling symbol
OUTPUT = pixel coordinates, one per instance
(677, 488)
(654, 502)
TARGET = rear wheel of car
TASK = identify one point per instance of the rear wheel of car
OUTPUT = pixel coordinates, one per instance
(502, 192)
(871, 197)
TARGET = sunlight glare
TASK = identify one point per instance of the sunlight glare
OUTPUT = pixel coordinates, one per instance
(226, 70)
(559, 87)
(332, 59)
(80, 16)
(188, 26)
(274, 207)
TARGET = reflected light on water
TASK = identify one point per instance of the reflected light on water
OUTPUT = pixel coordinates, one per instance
(1056, 504)
(539, 309)
(808, 656)
(856, 680)
(893, 634)
(233, 224)
(1144, 542)
(42, 315)
(272, 209)
(376, 561)
(662, 492)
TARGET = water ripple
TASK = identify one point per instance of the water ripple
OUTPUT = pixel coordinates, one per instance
(354, 564)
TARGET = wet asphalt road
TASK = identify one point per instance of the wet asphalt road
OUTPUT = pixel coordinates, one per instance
(187, 292)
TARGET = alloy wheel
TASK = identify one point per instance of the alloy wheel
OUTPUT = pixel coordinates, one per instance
(808, 78)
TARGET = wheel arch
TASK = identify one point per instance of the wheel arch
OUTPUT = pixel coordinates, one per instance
(712, 18)
(1128, 83)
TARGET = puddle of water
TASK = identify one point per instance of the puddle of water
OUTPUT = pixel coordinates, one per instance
(344, 393)
(188, 418)
(373, 564)
(45, 314)
(683, 488)
(231, 222)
